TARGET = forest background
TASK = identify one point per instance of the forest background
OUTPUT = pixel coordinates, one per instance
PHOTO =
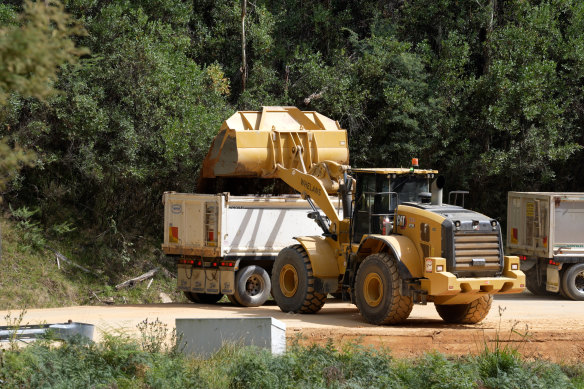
(489, 92)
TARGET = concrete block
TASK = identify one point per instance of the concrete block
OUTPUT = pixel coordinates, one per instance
(204, 337)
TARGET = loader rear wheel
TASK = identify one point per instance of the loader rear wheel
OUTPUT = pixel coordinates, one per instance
(573, 282)
(377, 291)
(203, 298)
(533, 285)
(252, 286)
(470, 313)
(293, 282)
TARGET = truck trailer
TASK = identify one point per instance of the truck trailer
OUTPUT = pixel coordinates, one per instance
(226, 245)
(546, 230)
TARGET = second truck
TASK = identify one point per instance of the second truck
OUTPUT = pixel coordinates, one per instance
(396, 244)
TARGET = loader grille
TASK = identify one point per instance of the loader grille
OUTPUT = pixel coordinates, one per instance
(477, 253)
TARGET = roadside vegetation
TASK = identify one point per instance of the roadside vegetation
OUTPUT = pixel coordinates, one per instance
(122, 362)
(31, 276)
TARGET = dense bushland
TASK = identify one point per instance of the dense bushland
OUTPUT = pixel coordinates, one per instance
(488, 92)
(122, 362)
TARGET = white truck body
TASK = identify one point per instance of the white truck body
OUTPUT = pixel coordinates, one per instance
(547, 230)
(215, 236)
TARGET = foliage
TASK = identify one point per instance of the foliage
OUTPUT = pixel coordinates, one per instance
(120, 362)
(32, 50)
(489, 93)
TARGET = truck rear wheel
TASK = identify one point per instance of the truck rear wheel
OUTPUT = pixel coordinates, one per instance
(203, 298)
(377, 291)
(533, 285)
(293, 282)
(252, 286)
(470, 313)
(573, 282)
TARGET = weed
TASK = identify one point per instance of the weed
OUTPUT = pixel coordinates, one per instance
(14, 324)
(155, 338)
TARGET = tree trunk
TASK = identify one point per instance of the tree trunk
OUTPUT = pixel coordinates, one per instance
(243, 58)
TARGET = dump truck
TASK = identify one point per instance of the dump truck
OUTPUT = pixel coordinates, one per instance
(227, 245)
(394, 244)
(546, 230)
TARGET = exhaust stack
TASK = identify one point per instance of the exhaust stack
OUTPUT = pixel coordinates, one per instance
(437, 186)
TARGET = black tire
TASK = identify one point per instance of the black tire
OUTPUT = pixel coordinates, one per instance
(252, 286)
(296, 291)
(470, 313)
(532, 283)
(377, 291)
(573, 282)
(233, 301)
(203, 298)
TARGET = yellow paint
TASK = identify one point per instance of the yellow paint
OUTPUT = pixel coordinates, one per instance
(445, 288)
(373, 289)
(404, 247)
(288, 280)
(322, 255)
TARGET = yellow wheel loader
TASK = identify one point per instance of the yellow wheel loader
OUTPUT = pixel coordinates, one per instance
(395, 243)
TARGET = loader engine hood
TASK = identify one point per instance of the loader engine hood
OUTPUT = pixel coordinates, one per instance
(471, 241)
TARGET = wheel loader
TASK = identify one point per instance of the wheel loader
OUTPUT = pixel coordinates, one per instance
(395, 245)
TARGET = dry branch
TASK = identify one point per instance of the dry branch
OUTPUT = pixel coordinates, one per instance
(61, 257)
(141, 278)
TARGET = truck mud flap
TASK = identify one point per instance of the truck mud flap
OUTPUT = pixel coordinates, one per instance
(198, 281)
(211, 281)
(184, 278)
(227, 281)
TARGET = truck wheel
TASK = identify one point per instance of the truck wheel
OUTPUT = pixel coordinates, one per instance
(252, 286)
(233, 301)
(203, 298)
(573, 282)
(377, 291)
(470, 313)
(532, 284)
(293, 282)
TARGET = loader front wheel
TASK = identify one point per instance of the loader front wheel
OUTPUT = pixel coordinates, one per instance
(470, 313)
(293, 282)
(377, 291)
(203, 298)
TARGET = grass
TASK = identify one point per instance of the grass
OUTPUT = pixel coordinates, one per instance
(30, 277)
(123, 362)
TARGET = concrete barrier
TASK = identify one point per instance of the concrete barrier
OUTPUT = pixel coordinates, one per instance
(204, 337)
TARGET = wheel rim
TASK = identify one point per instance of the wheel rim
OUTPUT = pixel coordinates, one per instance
(579, 281)
(373, 289)
(288, 280)
(254, 285)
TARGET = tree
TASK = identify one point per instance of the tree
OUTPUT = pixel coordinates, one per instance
(32, 48)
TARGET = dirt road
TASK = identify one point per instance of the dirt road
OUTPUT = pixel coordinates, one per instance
(554, 327)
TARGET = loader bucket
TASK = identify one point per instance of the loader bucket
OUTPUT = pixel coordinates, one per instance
(252, 143)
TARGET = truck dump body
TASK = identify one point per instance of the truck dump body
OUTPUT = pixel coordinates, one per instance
(237, 226)
(546, 225)
(547, 230)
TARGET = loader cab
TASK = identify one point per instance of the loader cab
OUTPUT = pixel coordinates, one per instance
(378, 192)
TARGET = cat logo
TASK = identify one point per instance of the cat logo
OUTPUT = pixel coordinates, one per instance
(401, 221)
